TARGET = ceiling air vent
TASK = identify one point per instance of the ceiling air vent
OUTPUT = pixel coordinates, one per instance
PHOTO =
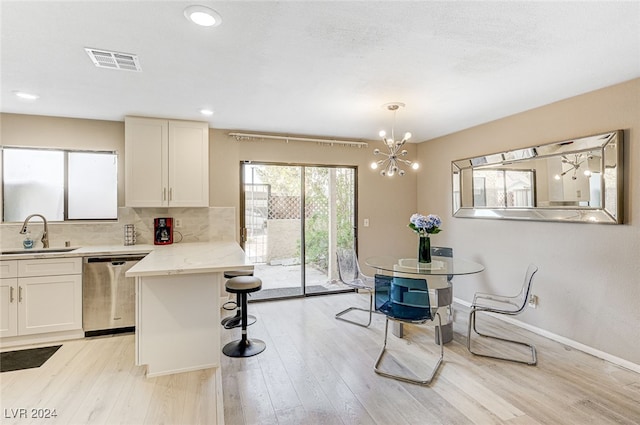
(114, 60)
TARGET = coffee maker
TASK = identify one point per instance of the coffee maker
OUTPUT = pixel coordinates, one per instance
(163, 231)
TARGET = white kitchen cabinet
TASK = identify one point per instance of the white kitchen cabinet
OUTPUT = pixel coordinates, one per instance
(8, 298)
(40, 296)
(8, 307)
(166, 163)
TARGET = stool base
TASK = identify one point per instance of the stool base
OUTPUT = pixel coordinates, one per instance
(244, 348)
(236, 321)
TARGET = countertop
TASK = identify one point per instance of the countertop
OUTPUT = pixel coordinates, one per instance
(85, 251)
(179, 258)
(190, 258)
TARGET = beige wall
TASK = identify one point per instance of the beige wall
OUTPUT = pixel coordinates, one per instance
(589, 279)
(68, 133)
(387, 203)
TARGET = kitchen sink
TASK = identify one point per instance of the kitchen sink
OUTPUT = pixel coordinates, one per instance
(37, 251)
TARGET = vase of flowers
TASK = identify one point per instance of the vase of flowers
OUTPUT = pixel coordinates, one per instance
(424, 226)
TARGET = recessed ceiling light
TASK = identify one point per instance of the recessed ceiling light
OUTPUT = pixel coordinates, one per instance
(25, 96)
(203, 16)
(207, 112)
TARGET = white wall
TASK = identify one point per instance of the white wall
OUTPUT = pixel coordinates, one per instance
(589, 279)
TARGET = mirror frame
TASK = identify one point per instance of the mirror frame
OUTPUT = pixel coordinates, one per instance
(610, 145)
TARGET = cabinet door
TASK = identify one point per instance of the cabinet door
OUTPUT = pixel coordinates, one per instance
(8, 307)
(188, 164)
(49, 304)
(146, 162)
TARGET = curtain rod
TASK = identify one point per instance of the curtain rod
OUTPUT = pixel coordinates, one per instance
(252, 136)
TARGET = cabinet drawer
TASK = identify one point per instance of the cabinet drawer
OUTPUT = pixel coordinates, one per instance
(8, 268)
(49, 267)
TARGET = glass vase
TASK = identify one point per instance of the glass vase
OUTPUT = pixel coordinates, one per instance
(424, 249)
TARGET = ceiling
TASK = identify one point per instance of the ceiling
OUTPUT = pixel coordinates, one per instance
(318, 68)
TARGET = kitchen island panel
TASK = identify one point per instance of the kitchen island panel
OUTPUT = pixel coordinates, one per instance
(178, 323)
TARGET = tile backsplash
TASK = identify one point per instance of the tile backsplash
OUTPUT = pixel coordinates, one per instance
(198, 225)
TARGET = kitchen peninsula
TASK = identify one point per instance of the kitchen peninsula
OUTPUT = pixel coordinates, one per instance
(178, 292)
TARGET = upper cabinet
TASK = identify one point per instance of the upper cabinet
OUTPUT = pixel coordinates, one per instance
(166, 163)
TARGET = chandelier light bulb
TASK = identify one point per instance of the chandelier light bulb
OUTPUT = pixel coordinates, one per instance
(587, 173)
(557, 177)
(382, 133)
(415, 166)
(374, 165)
(376, 151)
(404, 152)
(407, 136)
(401, 172)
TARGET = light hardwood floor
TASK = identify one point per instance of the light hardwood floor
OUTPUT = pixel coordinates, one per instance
(317, 370)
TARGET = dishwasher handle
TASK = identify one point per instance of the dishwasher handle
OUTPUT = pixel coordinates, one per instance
(115, 261)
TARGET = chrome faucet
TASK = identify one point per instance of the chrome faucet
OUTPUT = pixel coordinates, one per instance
(45, 233)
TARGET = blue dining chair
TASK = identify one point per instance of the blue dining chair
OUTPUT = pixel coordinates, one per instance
(500, 304)
(443, 251)
(405, 300)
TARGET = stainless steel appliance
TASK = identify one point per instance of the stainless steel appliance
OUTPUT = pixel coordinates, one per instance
(108, 297)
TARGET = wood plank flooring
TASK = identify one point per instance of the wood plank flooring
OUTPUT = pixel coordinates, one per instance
(318, 370)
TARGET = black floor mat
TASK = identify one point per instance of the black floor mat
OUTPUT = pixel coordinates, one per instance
(26, 359)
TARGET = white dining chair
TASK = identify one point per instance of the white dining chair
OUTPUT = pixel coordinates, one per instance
(499, 304)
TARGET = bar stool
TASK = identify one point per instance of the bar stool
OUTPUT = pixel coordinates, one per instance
(244, 347)
(234, 321)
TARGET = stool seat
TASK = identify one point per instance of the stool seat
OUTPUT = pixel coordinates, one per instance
(235, 273)
(243, 284)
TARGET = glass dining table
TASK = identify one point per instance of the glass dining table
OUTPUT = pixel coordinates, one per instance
(438, 274)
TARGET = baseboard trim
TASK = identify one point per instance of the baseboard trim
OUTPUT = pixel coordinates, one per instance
(563, 340)
(44, 338)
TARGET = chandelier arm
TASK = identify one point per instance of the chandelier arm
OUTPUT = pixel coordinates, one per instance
(405, 161)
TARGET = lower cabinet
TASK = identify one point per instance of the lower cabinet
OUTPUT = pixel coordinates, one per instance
(49, 304)
(8, 307)
(35, 302)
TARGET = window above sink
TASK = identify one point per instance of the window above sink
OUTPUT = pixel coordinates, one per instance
(60, 184)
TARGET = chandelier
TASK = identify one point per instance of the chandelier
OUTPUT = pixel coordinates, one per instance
(574, 165)
(390, 164)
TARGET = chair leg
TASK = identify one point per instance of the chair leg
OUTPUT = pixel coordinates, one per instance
(403, 378)
(370, 311)
(472, 326)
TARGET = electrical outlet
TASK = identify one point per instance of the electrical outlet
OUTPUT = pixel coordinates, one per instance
(178, 222)
(366, 222)
(533, 301)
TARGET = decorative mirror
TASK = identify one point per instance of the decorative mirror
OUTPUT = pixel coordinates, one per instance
(576, 180)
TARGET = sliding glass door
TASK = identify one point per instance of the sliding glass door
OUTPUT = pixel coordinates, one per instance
(294, 217)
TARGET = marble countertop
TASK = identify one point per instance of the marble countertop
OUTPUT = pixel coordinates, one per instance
(178, 258)
(85, 251)
(190, 258)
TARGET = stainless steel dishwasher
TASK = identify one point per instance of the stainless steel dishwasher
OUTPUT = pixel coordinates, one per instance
(108, 297)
